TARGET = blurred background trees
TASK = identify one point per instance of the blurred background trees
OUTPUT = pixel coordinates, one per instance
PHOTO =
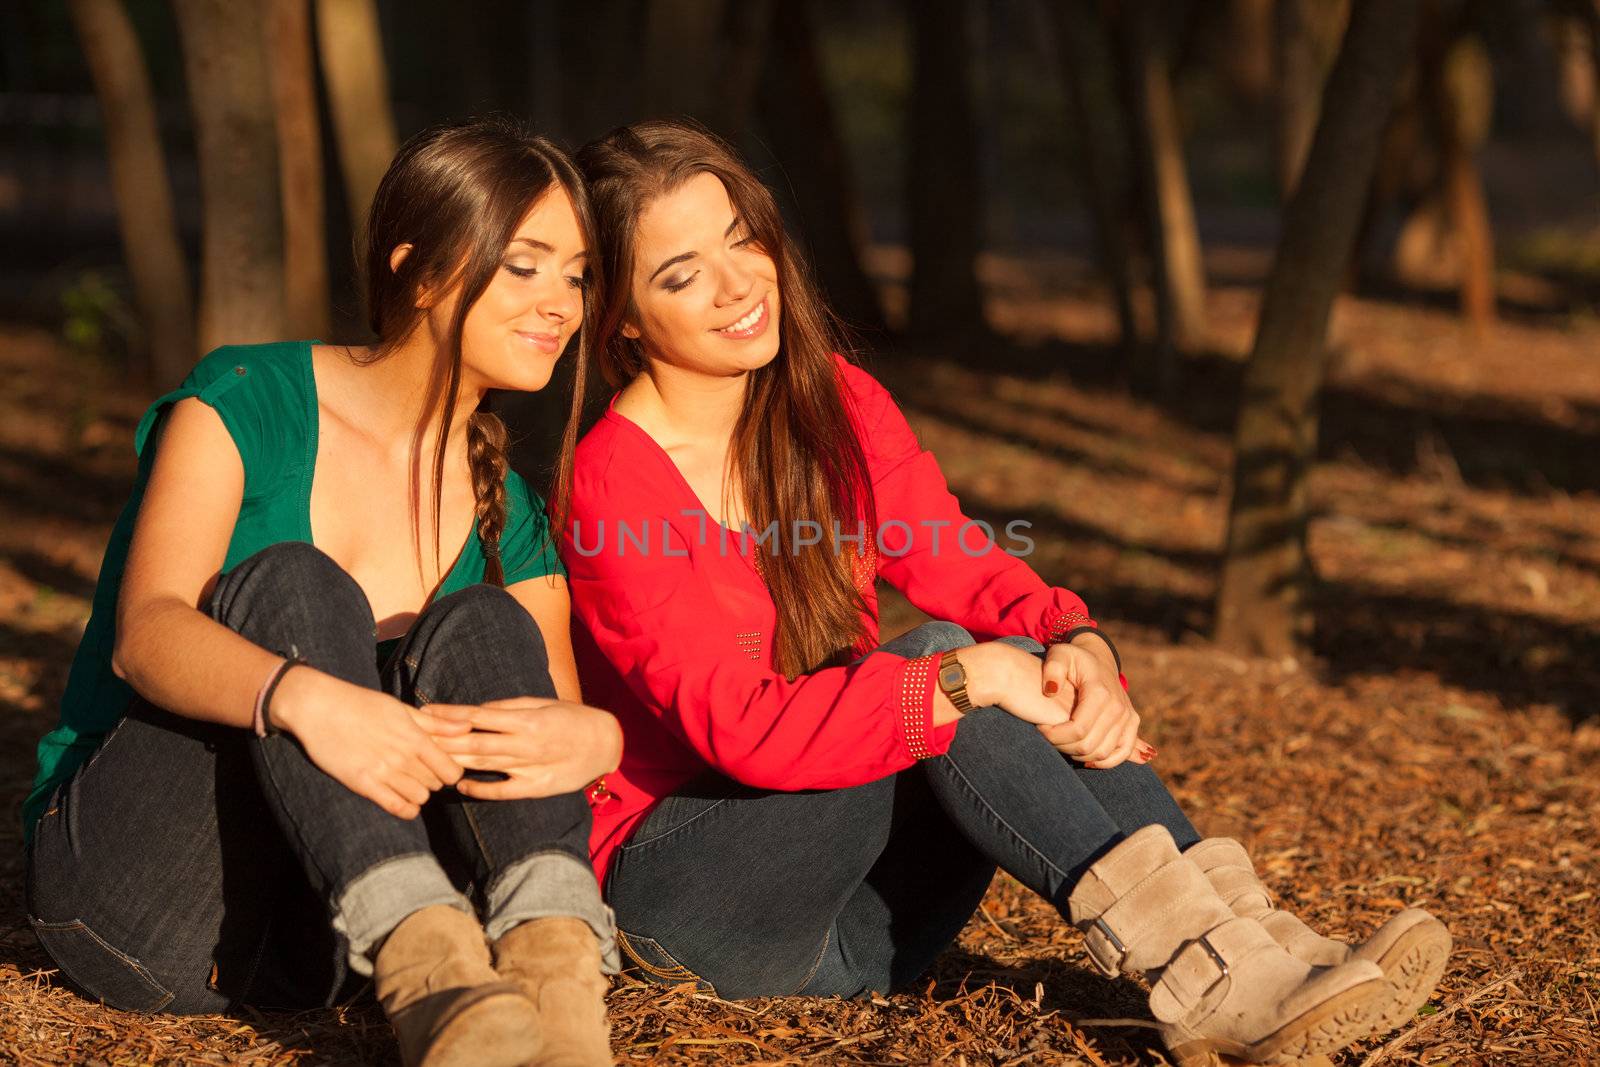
(214, 159)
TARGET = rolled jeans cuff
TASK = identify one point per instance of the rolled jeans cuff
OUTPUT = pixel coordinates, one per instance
(382, 896)
(547, 884)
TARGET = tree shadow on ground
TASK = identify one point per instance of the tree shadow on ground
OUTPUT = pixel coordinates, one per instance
(39, 485)
(48, 574)
(1519, 657)
(1391, 426)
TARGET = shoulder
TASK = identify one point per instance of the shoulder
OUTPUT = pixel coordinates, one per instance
(259, 391)
(617, 469)
(863, 393)
(279, 364)
(521, 501)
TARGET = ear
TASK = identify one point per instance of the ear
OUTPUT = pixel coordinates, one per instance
(630, 331)
(397, 257)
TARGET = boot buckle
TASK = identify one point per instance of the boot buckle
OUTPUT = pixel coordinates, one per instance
(1216, 957)
(1110, 966)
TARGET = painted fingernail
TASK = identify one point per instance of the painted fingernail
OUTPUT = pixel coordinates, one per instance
(1050, 688)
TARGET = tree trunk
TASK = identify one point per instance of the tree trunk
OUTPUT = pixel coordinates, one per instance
(1247, 66)
(1082, 42)
(680, 57)
(1465, 101)
(943, 190)
(145, 217)
(242, 266)
(1299, 90)
(748, 48)
(357, 77)
(601, 48)
(1172, 232)
(294, 89)
(799, 124)
(1263, 604)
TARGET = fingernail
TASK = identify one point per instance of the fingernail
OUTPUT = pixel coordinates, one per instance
(1050, 688)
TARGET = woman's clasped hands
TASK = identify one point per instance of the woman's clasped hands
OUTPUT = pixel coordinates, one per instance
(396, 755)
(1074, 697)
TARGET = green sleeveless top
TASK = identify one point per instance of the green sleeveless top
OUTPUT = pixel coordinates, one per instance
(266, 396)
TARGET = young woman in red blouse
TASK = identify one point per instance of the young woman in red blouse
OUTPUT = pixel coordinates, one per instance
(801, 810)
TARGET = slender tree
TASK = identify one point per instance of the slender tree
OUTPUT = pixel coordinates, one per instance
(294, 90)
(1305, 37)
(1462, 94)
(357, 77)
(681, 56)
(1083, 43)
(943, 188)
(1172, 232)
(150, 243)
(799, 124)
(602, 42)
(1263, 604)
(242, 265)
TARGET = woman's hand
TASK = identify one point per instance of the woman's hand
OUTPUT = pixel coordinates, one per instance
(546, 747)
(366, 740)
(1006, 676)
(1104, 729)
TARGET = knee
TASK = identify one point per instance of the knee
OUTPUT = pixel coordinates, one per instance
(1027, 644)
(936, 636)
(488, 610)
(995, 731)
(292, 573)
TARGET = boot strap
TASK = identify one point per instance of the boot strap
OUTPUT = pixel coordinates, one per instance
(1201, 969)
(1241, 890)
(1171, 894)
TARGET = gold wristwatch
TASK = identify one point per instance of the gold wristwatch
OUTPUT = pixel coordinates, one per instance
(953, 681)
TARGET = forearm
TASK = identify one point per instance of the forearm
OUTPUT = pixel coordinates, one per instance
(179, 659)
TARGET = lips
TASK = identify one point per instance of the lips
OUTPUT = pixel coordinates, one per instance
(544, 342)
(750, 324)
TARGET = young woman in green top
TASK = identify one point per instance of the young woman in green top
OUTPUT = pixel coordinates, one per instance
(252, 798)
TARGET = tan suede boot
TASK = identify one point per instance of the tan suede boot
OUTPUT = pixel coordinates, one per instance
(1220, 985)
(1410, 949)
(556, 964)
(447, 1005)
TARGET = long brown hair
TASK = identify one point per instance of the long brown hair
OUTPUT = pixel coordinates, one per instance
(796, 453)
(456, 194)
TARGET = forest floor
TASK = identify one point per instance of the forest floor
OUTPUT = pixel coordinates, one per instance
(1440, 751)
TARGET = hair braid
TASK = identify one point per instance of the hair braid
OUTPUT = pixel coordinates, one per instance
(486, 456)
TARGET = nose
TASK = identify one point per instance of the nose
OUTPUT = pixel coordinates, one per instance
(560, 303)
(736, 280)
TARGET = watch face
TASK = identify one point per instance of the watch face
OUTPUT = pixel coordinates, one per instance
(952, 676)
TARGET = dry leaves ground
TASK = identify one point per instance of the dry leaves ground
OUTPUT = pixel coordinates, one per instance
(1442, 752)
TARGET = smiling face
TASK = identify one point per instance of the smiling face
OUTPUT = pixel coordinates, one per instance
(705, 294)
(518, 328)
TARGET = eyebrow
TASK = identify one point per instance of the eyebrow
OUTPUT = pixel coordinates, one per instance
(682, 256)
(540, 246)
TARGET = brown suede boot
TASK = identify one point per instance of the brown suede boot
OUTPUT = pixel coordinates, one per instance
(447, 1005)
(1410, 949)
(1220, 985)
(556, 964)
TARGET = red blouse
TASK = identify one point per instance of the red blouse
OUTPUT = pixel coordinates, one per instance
(672, 623)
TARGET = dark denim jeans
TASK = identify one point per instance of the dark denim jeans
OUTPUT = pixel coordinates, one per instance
(758, 893)
(188, 866)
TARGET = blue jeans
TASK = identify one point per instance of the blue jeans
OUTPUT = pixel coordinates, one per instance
(758, 893)
(188, 866)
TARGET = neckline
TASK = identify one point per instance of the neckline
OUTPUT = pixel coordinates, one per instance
(743, 549)
(313, 435)
(655, 446)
